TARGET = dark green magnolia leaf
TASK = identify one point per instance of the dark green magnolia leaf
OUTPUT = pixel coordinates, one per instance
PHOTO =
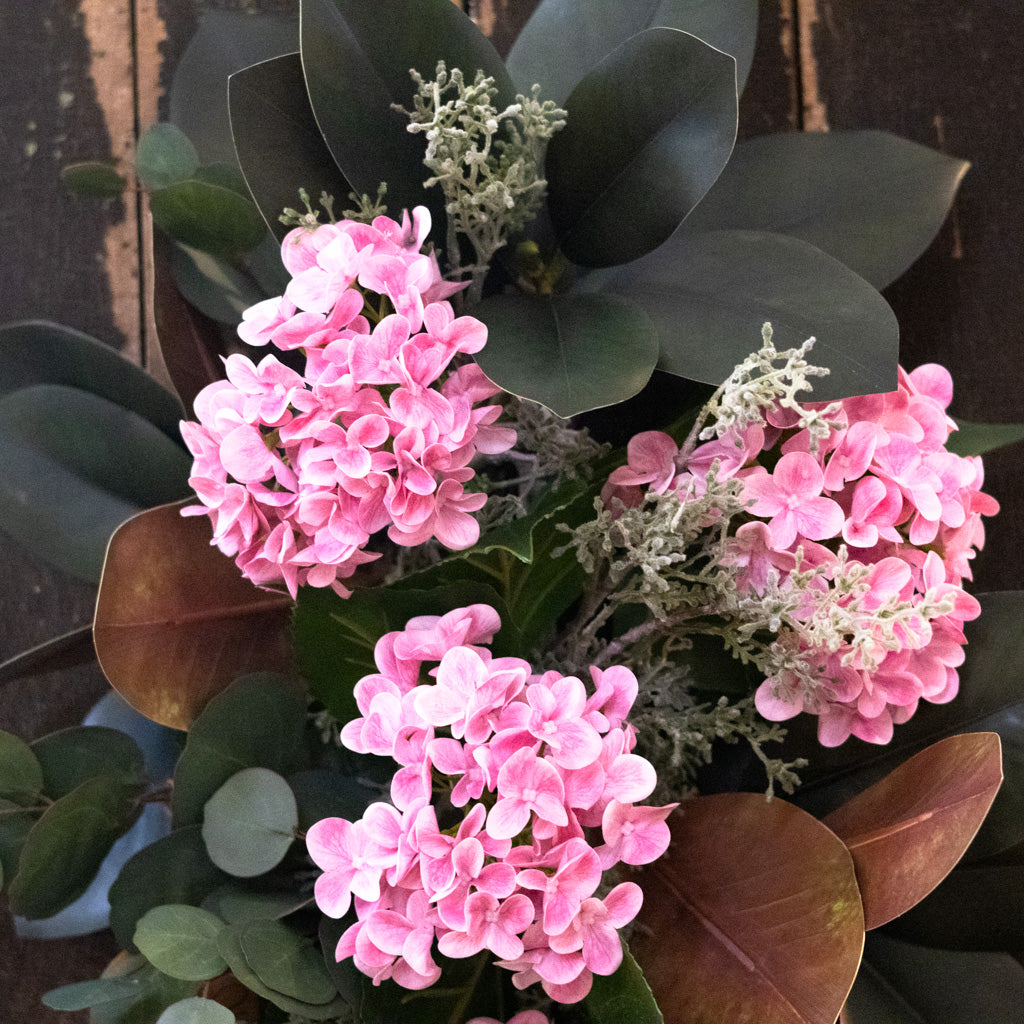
(181, 941)
(568, 352)
(277, 140)
(774, 936)
(196, 1010)
(21, 775)
(649, 130)
(258, 721)
(225, 42)
(67, 844)
(989, 700)
(216, 288)
(39, 352)
(596, 27)
(82, 752)
(356, 59)
(904, 984)
(66, 651)
(249, 823)
(208, 217)
(93, 179)
(710, 292)
(871, 200)
(175, 869)
(624, 995)
(907, 832)
(979, 438)
(164, 156)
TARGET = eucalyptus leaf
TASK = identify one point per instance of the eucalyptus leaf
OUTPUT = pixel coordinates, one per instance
(710, 292)
(321, 793)
(979, 438)
(624, 995)
(649, 130)
(86, 994)
(870, 199)
(567, 352)
(286, 962)
(21, 775)
(15, 825)
(596, 27)
(181, 941)
(74, 755)
(356, 59)
(215, 287)
(277, 140)
(237, 906)
(249, 823)
(164, 156)
(258, 721)
(196, 1010)
(39, 352)
(66, 846)
(208, 217)
(93, 179)
(152, 992)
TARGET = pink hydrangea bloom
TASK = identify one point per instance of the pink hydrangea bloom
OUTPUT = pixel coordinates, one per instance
(297, 471)
(538, 785)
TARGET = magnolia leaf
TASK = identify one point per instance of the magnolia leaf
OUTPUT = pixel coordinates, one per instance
(208, 217)
(277, 140)
(710, 292)
(164, 156)
(66, 651)
(175, 619)
(596, 27)
(181, 941)
(38, 352)
(175, 869)
(979, 438)
(624, 995)
(66, 846)
(989, 700)
(568, 352)
(93, 179)
(869, 199)
(21, 775)
(196, 1010)
(908, 831)
(668, 101)
(904, 984)
(775, 936)
(74, 755)
(257, 721)
(216, 288)
(225, 42)
(249, 823)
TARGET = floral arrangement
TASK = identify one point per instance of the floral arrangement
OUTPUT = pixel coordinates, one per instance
(469, 700)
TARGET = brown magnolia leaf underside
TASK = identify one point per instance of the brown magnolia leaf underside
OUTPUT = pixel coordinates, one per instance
(907, 831)
(753, 916)
(176, 621)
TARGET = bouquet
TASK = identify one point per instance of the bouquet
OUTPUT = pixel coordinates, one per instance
(552, 602)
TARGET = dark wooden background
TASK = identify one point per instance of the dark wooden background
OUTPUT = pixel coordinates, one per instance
(78, 79)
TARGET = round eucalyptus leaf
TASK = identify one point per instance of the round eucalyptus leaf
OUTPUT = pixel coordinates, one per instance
(208, 217)
(164, 156)
(181, 941)
(196, 1010)
(250, 822)
(71, 756)
(21, 775)
(286, 962)
(216, 288)
(93, 179)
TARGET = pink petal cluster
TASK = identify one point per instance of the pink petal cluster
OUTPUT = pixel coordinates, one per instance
(882, 484)
(298, 470)
(515, 792)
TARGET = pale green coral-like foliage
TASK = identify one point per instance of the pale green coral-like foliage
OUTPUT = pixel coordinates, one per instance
(487, 161)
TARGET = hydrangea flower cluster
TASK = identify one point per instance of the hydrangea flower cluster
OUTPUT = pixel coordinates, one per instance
(515, 793)
(858, 516)
(298, 470)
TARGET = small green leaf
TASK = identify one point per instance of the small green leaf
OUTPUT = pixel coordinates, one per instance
(82, 752)
(668, 100)
(216, 288)
(196, 1010)
(568, 352)
(237, 906)
(208, 217)
(93, 179)
(21, 775)
(869, 199)
(279, 146)
(164, 156)
(258, 721)
(249, 823)
(979, 438)
(181, 941)
(86, 994)
(624, 995)
(286, 962)
(710, 292)
(67, 844)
